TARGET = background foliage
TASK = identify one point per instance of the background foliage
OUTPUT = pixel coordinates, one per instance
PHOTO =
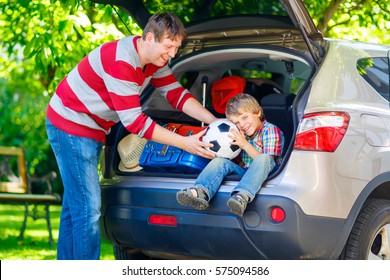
(34, 245)
(42, 40)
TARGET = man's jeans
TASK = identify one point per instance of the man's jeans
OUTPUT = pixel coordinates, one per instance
(77, 159)
(212, 176)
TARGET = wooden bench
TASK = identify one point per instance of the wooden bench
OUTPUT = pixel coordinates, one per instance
(16, 188)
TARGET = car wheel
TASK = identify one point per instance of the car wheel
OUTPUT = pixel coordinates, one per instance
(370, 235)
(128, 253)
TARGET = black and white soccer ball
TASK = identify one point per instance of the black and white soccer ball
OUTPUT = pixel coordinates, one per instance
(217, 134)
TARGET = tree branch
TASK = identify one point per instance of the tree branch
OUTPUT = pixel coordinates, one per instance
(327, 15)
(382, 7)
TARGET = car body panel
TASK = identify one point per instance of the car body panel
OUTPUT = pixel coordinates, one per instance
(228, 237)
(321, 193)
(338, 170)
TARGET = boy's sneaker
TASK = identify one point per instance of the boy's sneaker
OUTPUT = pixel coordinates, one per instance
(186, 197)
(237, 204)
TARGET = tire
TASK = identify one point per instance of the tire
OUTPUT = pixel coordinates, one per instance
(370, 235)
(128, 253)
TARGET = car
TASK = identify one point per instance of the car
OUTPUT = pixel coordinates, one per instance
(329, 199)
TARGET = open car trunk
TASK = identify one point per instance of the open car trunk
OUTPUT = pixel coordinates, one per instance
(277, 77)
(272, 43)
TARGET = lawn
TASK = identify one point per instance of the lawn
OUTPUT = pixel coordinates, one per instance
(35, 244)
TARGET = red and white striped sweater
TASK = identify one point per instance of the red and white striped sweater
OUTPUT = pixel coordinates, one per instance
(104, 88)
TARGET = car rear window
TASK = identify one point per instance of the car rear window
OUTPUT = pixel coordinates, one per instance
(192, 11)
(376, 72)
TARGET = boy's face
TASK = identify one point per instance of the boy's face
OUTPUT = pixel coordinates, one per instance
(247, 122)
(161, 52)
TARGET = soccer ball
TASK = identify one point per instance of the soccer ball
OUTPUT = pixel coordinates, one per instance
(217, 134)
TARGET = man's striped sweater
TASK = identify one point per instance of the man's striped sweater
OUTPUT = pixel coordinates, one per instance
(104, 88)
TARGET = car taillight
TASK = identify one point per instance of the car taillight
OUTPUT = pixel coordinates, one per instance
(277, 214)
(162, 220)
(321, 131)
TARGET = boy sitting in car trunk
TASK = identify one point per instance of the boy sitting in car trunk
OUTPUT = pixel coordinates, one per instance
(262, 146)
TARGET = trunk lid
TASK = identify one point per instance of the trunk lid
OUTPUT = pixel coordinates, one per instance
(214, 23)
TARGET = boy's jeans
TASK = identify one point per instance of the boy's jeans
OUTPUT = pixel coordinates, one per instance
(212, 176)
(77, 159)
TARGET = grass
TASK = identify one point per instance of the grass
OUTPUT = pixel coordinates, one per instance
(35, 244)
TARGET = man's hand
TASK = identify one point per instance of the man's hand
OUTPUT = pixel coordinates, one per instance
(190, 144)
(193, 145)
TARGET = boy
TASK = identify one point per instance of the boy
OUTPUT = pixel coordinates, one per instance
(262, 146)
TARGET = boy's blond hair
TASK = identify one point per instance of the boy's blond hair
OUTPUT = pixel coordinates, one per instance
(242, 103)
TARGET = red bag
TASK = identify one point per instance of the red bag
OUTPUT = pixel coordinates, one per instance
(224, 89)
(184, 130)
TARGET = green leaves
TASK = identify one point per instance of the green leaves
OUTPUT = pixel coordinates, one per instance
(41, 41)
(363, 20)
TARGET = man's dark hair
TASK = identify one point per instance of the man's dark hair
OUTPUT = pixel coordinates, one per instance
(165, 24)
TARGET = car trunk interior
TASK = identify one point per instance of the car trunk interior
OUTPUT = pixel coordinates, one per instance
(285, 69)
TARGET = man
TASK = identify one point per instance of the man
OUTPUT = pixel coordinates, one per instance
(100, 91)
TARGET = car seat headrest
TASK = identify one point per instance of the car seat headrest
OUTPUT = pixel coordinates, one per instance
(278, 99)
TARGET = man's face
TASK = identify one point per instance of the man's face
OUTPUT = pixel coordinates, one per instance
(162, 51)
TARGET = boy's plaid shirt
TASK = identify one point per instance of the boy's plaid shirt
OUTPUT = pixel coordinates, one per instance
(268, 139)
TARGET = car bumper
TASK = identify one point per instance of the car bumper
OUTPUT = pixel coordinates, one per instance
(215, 233)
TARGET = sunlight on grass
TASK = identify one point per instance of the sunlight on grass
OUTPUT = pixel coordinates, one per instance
(34, 245)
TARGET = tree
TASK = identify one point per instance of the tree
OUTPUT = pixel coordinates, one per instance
(363, 20)
(41, 41)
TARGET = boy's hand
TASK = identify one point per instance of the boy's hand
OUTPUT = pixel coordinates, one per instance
(238, 138)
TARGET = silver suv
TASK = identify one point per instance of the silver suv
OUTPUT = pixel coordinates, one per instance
(330, 199)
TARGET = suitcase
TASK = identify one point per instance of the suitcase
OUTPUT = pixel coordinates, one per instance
(164, 158)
